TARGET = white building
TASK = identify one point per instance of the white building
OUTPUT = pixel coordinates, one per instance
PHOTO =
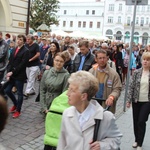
(112, 18)
(13, 16)
(118, 21)
(83, 16)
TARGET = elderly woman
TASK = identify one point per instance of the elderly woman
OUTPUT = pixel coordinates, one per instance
(79, 120)
(139, 95)
(54, 82)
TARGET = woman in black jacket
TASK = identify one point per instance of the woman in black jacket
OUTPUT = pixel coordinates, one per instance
(117, 58)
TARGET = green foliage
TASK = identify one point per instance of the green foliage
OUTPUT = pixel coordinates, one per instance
(43, 11)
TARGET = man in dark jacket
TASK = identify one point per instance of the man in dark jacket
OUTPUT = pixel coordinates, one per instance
(17, 74)
(3, 56)
(84, 59)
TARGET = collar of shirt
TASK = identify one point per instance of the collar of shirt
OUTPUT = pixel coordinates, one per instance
(86, 54)
(101, 70)
(86, 114)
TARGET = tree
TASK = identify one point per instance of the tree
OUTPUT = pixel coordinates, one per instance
(43, 11)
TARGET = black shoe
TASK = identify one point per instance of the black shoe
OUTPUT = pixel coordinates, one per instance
(33, 93)
(25, 96)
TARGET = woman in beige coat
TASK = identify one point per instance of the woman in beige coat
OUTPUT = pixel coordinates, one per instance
(79, 120)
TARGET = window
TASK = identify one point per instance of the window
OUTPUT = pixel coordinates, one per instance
(71, 23)
(143, 8)
(110, 19)
(129, 8)
(119, 19)
(120, 7)
(111, 7)
(127, 34)
(79, 24)
(84, 24)
(128, 21)
(98, 24)
(109, 32)
(87, 12)
(64, 23)
(65, 11)
(93, 12)
(138, 8)
(148, 8)
(137, 20)
(142, 21)
(91, 24)
(147, 20)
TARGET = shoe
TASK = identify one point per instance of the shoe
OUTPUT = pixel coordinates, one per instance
(135, 145)
(139, 148)
(12, 109)
(16, 114)
(26, 95)
(33, 93)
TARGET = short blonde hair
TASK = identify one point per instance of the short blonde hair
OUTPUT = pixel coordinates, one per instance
(66, 54)
(146, 55)
(87, 83)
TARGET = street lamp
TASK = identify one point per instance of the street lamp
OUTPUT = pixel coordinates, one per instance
(28, 18)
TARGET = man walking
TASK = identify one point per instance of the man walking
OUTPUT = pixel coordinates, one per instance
(33, 65)
(84, 59)
(3, 58)
(109, 81)
(17, 74)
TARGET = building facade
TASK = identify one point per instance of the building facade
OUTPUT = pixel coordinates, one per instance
(83, 16)
(13, 16)
(110, 18)
(118, 21)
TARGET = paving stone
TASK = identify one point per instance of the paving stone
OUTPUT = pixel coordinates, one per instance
(27, 131)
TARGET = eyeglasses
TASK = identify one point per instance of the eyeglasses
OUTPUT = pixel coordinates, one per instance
(56, 60)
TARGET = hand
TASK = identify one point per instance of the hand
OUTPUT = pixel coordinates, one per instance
(41, 61)
(7, 78)
(46, 111)
(128, 104)
(94, 146)
(47, 67)
(30, 60)
(9, 74)
(109, 101)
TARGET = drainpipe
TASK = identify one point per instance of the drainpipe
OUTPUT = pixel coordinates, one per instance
(28, 18)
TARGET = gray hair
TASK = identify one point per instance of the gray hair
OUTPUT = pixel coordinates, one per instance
(87, 83)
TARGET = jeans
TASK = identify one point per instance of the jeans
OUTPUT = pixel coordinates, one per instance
(141, 111)
(8, 90)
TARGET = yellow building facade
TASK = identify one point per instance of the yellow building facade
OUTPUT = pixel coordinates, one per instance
(13, 16)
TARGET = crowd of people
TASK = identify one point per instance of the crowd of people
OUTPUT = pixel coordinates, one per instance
(53, 61)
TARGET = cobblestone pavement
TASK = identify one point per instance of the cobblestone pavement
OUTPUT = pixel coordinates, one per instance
(26, 132)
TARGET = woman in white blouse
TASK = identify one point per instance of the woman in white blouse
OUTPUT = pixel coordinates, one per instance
(139, 95)
(79, 120)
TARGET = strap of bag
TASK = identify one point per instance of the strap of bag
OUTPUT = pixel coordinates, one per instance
(97, 125)
(96, 128)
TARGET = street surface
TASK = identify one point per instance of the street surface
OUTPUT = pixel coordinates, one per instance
(26, 132)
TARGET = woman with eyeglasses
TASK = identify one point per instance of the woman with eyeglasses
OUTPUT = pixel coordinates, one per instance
(53, 83)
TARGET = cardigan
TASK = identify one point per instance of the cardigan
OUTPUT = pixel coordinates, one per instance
(134, 86)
